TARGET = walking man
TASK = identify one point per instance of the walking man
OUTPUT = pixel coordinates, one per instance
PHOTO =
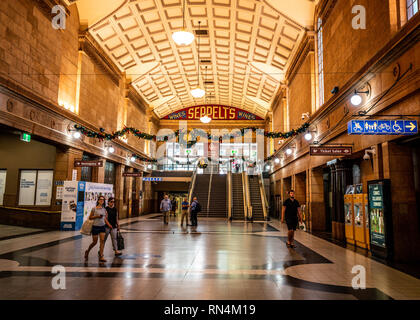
(291, 211)
(195, 209)
(174, 206)
(165, 207)
(185, 205)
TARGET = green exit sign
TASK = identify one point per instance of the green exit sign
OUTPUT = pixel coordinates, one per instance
(234, 151)
(188, 151)
(25, 137)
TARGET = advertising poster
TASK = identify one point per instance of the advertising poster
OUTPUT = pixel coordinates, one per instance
(69, 205)
(44, 188)
(27, 187)
(2, 185)
(376, 214)
(92, 193)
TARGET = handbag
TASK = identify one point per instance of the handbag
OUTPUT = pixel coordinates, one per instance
(120, 241)
(302, 226)
(86, 228)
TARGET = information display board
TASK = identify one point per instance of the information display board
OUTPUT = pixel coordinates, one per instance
(44, 188)
(380, 217)
(3, 174)
(79, 197)
(27, 187)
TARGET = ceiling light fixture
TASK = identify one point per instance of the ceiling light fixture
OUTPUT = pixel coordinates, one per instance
(183, 38)
(198, 92)
(205, 119)
(308, 136)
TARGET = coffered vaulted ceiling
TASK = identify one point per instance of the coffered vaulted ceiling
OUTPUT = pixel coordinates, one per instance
(243, 58)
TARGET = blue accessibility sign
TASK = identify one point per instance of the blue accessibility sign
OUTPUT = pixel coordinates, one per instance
(382, 127)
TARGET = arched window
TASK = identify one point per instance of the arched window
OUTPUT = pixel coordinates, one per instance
(320, 63)
(412, 8)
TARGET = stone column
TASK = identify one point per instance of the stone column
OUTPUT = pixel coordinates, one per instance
(398, 167)
(64, 166)
(119, 189)
(98, 173)
(341, 177)
(316, 199)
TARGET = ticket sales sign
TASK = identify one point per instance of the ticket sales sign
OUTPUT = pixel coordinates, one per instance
(94, 163)
(382, 127)
(330, 151)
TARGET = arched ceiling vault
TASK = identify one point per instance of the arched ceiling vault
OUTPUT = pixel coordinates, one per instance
(243, 58)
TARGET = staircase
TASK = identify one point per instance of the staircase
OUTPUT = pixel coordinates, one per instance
(217, 206)
(256, 201)
(201, 191)
(237, 197)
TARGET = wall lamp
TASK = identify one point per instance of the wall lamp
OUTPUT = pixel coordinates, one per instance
(309, 136)
(356, 99)
(109, 148)
(73, 132)
(289, 150)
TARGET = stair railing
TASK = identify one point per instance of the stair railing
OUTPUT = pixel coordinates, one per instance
(247, 196)
(209, 193)
(192, 185)
(229, 194)
(264, 200)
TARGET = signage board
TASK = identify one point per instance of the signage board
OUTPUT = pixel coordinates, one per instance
(152, 179)
(132, 174)
(79, 198)
(330, 151)
(25, 137)
(94, 163)
(213, 111)
(382, 127)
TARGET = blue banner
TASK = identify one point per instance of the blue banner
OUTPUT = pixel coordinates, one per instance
(152, 179)
(382, 127)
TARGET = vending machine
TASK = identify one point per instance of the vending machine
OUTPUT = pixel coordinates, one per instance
(349, 215)
(366, 216)
(380, 218)
(359, 221)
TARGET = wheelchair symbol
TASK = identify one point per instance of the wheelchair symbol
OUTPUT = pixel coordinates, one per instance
(396, 127)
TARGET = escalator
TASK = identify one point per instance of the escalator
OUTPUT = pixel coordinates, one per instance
(237, 197)
(256, 199)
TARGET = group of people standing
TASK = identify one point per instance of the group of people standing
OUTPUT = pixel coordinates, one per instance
(166, 206)
(105, 223)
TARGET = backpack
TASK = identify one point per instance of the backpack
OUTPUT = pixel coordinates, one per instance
(197, 207)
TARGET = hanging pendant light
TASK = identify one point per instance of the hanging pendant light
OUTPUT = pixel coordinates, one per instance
(183, 38)
(198, 92)
(205, 119)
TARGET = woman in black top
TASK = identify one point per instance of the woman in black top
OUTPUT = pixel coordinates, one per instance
(112, 217)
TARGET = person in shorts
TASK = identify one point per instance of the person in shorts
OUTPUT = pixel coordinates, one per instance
(98, 214)
(291, 214)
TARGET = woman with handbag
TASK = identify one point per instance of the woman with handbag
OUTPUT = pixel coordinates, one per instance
(112, 217)
(98, 215)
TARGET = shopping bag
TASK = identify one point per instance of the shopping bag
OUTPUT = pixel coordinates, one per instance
(86, 228)
(120, 241)
(302, 226)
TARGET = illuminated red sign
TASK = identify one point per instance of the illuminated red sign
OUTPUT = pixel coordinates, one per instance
(213, 111)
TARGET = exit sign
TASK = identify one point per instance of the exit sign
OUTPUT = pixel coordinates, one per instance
(25, 137)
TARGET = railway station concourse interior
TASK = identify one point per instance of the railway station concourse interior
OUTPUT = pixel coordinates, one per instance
(233, 103)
